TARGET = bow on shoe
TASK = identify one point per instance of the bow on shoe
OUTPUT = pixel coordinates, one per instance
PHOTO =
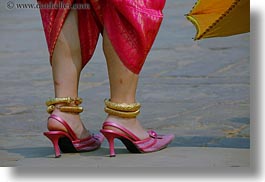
(154, 135)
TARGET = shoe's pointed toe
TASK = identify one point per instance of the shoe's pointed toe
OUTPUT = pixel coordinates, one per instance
(155, 142)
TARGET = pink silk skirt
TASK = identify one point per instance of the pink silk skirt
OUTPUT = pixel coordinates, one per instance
(131, 25)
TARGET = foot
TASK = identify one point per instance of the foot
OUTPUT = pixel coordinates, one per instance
(132, 124)
(73, 120)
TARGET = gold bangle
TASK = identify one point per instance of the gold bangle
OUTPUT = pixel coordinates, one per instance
(50, 109)
(66, 100)
(123, 114)
(68, 104)
(122, 106)
(73, 109)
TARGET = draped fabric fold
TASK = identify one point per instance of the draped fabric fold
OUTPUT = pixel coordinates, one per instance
(131, 25)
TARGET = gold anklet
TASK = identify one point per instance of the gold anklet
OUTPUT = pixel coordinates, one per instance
(122, 109)
(66, 100)
(122, 114)
(71, 105)
(122, 106)
(73, 109)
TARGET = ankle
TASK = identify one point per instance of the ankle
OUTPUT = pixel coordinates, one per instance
(65, 107)
(122, 120)
(68, 109)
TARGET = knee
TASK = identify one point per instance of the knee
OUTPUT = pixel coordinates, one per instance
(70, 46)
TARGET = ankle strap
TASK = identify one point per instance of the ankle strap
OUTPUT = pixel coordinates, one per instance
(63, 122)
(123, 129)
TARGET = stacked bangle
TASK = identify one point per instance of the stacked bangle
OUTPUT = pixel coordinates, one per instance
(69, 104)
(122, 109)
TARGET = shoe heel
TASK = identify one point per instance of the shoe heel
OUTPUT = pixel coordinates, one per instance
(54, 137)
(110, 137)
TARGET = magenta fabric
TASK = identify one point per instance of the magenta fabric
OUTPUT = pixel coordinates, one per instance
(131, 25)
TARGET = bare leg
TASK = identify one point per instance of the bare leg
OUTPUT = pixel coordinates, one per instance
(66, 68)
(123, 85)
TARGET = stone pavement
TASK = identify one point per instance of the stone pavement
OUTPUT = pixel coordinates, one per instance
(198, 90)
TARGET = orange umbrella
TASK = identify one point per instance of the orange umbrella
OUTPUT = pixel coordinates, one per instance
(219, 18)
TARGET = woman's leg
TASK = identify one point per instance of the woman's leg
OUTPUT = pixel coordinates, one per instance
(123, 85)
(66, 68)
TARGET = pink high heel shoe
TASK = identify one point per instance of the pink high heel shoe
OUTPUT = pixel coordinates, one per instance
(153, 143)
(68, 141)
